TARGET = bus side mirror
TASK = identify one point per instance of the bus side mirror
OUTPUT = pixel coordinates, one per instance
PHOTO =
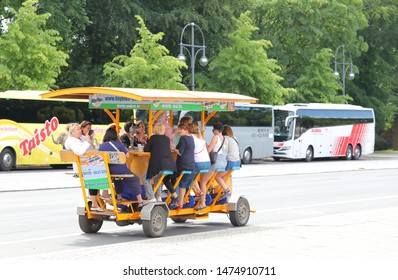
(289, 119)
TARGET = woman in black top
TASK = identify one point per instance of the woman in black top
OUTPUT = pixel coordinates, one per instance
(161, 158)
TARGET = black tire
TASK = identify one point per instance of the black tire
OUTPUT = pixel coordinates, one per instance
(247, 156)
(59, 166)
(157, 224)
(309, 154)
(348, 153)
(7, 159)
(89, 225)
(357, 152)
(241, 216)
(178, 220)
(276, 158)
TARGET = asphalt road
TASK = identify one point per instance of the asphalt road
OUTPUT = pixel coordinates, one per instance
(316, 212)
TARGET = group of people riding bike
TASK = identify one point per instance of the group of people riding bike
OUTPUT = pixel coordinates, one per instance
(192, 157)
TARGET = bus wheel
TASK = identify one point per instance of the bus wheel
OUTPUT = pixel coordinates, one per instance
(156, 225)
(7, 159)
(89, 225)
(241, 216)
(276, 158)
(348, 153)
(247, 156)
(357, 152)
(309, 154)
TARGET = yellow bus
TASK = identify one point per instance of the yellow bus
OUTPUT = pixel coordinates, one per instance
(29, 127)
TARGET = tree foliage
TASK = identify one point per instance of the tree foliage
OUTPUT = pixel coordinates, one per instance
(295, 34)
(29, 58)
(377, 84)
(317, 82)
(300, 29)
(148, 66)
(244, 67)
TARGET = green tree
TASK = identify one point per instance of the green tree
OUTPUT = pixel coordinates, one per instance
(377, 82)
(148, 66)
(300, 29)
(244, 67)
(317, 83)
(29, 58)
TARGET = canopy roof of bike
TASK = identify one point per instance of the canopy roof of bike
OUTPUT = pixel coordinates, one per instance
(140, 94)
(151, 99)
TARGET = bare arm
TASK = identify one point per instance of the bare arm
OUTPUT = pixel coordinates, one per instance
(213, 142)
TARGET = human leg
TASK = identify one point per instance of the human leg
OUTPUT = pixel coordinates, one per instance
(119, 187)
(221, 182)
(204, 179)
(148, 188)
(185, 183)
(135, 185)
(170, 187)
(93, 196)
(159, 189)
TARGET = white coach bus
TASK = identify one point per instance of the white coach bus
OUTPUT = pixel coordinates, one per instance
(308, 131)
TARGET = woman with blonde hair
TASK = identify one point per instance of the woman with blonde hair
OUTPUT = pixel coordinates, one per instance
(161, 159)
(79, 144)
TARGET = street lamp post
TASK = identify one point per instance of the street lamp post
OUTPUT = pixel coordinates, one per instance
(193, 51)
(343, 66)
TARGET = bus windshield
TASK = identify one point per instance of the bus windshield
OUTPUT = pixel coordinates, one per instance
(283, 131)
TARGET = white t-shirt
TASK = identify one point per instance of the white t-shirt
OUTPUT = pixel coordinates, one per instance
(200, 152)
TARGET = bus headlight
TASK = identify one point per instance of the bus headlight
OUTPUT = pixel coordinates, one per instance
(285, 148)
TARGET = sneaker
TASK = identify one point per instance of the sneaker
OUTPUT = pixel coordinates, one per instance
(174, 201)
(111, 208)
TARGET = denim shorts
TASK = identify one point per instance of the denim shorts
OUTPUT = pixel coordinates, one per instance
(200, 166)
(231, 164)
(186, 180)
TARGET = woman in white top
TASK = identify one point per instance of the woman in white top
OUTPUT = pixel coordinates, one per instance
(202, 162)
(79, 144)
(217, 144)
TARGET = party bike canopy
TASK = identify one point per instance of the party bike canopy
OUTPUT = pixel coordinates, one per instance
(151, 99)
